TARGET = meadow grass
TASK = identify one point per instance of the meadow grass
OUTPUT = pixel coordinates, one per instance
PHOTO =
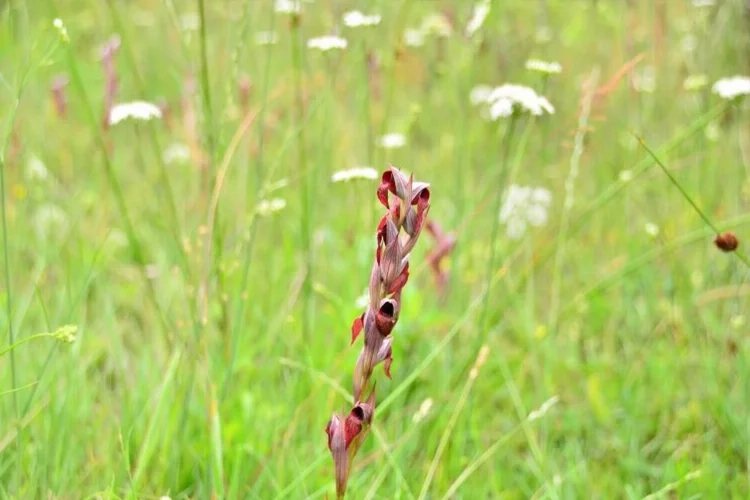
(213, 336)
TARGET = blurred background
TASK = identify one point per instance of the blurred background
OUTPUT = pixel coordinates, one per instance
(191, 186)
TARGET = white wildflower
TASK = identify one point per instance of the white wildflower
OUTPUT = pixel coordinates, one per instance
(176, 153)
(735, 86)
(355, 19)
(267, 207)
(424, 410)
(266, 38)
(414, 38)
(354, 173)
(327, 42)
(543, 66)
(35, 169)
(524, 206)
(542, 410)
(50, 221)
(501, 108)
(506, 99)
(651, 229)
(288, 6)
(392, 141)
(61, 29)
(137, 110)
(481, 10)
(695, 82)
(437, 25)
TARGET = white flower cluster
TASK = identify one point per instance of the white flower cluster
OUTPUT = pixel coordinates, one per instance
(392, 140)
(354, 173)
(506, 99)
(356, 19)
(545, 67)
(479, 15)
(524, 206)
(326, 43)
(732, 87)
(136, 110)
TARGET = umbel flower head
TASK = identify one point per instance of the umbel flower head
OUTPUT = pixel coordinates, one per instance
(407, 203)
(355, 19)
(524, 206)
(507, 99)
(326, 43)
(732, 87)
(136, 110)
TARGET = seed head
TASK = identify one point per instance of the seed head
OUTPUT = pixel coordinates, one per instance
(726, 242)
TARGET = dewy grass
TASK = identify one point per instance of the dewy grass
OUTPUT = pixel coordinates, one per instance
(407, 204)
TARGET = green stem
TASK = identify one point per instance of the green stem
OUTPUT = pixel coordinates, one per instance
(367, 111)
(206, 84)
(507, 141)
(307, 292)
(10, 348)
(32, 384)
(122, 206)
(575, 164)
(250, 199)
(685, 195)
(676, 184)
(401, 17)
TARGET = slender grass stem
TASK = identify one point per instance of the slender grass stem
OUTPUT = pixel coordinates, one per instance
(506, 142)
(19, 23)
(304, 176)
(9, 288)
(241, 303)
(462, 399)
(24, 340)
(119, 195)
(367, 105)
(570, 181)
(687, 197)
(401, 17)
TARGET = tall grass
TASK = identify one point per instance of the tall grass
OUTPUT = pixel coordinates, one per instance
(213, 332)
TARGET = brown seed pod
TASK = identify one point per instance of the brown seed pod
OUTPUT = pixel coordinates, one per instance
(726, 242)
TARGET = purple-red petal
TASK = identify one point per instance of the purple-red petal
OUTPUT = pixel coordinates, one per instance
(357, 327)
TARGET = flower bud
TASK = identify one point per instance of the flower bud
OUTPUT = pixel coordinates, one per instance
(727, 242)
(338, 446)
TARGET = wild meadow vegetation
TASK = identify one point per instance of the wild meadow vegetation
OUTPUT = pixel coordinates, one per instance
(191, 193)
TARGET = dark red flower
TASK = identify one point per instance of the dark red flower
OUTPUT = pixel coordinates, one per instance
(386, 317)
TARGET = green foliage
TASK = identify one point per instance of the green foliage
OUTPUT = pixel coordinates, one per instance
(213, 340)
